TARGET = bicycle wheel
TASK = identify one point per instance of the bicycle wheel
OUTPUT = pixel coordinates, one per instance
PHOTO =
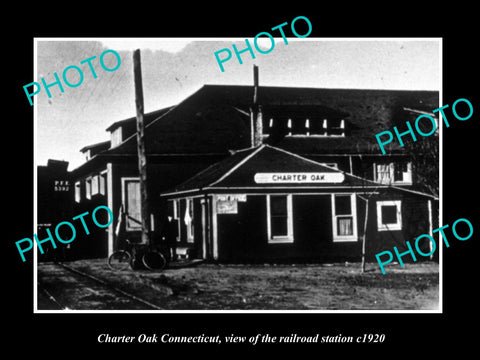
(153, 260)
(119, 260)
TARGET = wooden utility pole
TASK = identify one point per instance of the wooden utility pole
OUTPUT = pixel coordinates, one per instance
(142, 160)
(256, 113)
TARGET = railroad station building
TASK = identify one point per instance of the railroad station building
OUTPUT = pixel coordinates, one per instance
(264, 173)
(267, 204)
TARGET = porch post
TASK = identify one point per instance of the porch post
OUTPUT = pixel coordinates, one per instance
(111, 227)
(214, 228)
(203, 202)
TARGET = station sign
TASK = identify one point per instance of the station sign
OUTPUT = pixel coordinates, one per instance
(299, 178)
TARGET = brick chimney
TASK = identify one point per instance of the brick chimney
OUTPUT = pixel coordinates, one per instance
(256, 118)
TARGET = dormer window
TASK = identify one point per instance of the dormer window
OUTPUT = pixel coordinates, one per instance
(88, 155)
(90, 151)
(291, 126)
(116, 137)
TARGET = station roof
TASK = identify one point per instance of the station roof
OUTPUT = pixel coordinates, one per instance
(268, 167)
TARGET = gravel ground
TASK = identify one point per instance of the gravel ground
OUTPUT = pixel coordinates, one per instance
(339, 286)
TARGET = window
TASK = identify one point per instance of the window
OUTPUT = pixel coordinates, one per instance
(301, 126)
(394, 173)
(344, 217)
(325, 127)
(78, 192)
(389, 215)
(279, 219)
(278, 216)
(334, 127)
(271, 125)
(402, 172)
(88, 188)
(383, 173)
(321, 126)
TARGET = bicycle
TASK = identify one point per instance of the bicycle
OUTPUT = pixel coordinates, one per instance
(150, 258)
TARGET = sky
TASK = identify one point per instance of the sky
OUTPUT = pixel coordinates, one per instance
(173, 69)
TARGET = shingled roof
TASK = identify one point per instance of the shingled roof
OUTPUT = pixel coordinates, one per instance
(215, 118)
(240, 170)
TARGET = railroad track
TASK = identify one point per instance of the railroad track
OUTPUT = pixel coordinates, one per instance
(76, 290)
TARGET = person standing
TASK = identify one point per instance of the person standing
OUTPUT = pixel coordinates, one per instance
(171, 233)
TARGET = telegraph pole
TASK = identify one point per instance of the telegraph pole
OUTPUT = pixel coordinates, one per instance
(256, 116)
(142, 160)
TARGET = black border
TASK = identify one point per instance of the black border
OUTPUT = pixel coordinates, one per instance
(408, 333)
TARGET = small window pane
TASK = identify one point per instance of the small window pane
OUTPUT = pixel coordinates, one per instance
(278, 206)
(279, 218)
(397, 173)
(345, 226)
(389, 214)
(383, 173)
(299, 126)
(279, 226)
(398, 170)
(343, 205)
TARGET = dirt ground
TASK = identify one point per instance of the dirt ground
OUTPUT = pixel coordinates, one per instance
(277, 287)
